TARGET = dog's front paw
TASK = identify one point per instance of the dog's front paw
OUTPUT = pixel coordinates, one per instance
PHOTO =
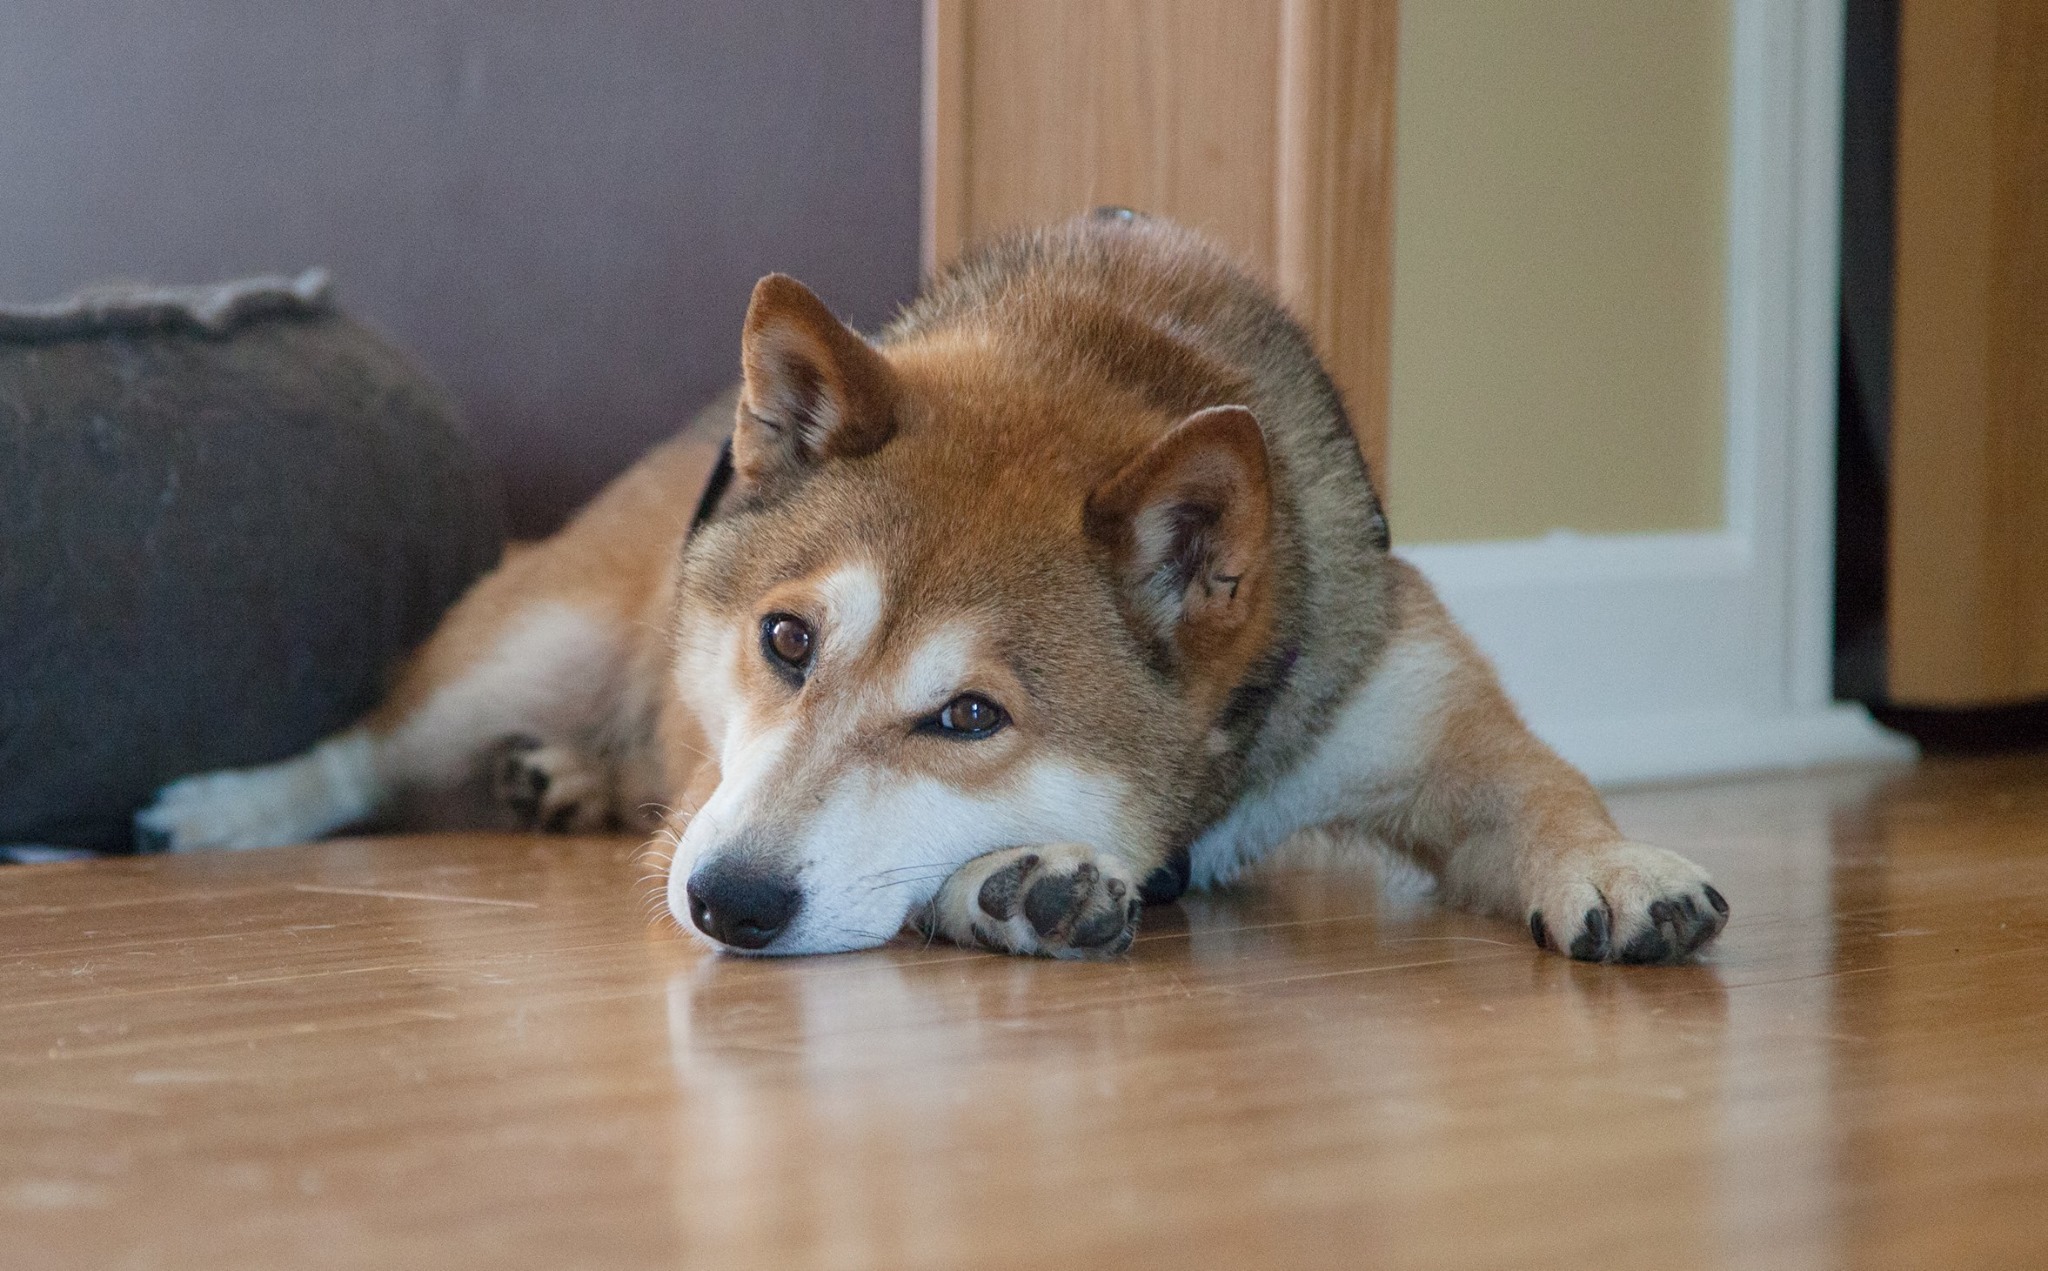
(552, 788)
(1059, 900)
(1625, 902)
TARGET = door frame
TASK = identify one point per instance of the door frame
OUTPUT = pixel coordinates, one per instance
(1652, 657)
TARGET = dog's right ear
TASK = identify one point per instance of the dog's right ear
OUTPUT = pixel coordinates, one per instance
(814, 389)
(1188, 524)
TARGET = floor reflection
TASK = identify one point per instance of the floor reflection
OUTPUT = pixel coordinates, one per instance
(1309, 1038)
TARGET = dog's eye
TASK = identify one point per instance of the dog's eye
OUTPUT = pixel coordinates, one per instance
(970, 717)
(786, 641)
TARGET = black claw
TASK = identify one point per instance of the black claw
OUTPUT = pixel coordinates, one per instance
(998, 897)
(149, 840)
(1710, 926)
(1592, 943)
(1700, 925)
(1648, 947)
(1717, 900)
(1537, 930)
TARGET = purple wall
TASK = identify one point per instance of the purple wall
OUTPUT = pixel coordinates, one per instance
(559, 207)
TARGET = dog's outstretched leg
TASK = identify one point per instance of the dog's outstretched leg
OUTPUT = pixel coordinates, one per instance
(331, 785)
(511, 687)
(543, 686)
(1057, 900)
(1509, 827)
(1429, 758)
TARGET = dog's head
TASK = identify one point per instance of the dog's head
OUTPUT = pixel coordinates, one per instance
(957, 599)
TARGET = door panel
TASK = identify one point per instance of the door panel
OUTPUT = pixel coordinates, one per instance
(1267, 123)
(1968, 608)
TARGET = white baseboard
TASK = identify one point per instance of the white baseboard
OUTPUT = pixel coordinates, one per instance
(1626, 752)
(1652, 657)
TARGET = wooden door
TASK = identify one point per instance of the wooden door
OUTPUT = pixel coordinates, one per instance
(1267, 123)
(1968, 608)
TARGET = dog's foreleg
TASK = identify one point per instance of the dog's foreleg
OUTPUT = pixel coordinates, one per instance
(1509, 827)
(545, 685)
(1056, 900)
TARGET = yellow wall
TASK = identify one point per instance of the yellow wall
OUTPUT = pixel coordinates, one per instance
(1559, 247)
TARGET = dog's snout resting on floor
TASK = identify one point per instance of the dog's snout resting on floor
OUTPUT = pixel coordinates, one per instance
(1068, 590)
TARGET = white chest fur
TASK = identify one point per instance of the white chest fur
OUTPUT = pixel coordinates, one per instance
(1372, 753)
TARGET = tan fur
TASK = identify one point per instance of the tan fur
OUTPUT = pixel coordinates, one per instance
(1096, 476)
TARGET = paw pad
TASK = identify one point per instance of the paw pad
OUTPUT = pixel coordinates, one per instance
(999, 893)
(1058, 902)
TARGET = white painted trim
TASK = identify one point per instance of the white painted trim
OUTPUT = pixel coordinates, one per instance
(1664, 656)
(1675, 747)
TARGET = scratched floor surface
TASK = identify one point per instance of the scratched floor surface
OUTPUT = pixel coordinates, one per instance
(478, 1052)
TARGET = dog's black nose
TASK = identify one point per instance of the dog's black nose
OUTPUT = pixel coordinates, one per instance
(741, 904)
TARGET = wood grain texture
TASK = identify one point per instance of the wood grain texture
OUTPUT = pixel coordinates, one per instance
(1167, 106)
(1265, 123)
(945, 132)
(1334, 245)
(478, 1052)
(1968, 619)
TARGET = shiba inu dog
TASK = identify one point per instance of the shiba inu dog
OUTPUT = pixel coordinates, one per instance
(1068, 591)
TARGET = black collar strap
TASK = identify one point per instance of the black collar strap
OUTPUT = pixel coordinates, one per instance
(714, 489)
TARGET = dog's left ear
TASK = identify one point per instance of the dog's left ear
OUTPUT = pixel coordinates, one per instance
(814, 389)
(1189, 524)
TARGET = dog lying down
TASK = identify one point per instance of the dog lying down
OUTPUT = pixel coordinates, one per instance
(1067, 592)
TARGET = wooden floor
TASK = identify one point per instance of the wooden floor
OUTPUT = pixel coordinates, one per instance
(479, 1052)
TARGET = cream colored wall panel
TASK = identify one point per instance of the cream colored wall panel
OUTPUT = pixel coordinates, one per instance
(1559, 306)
